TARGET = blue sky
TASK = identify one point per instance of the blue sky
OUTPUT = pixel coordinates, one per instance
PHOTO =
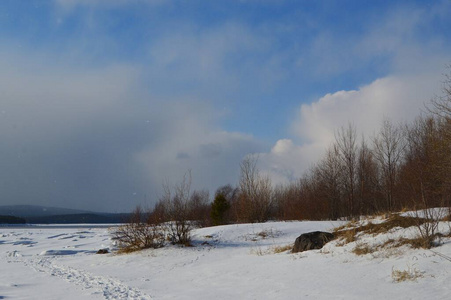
(103, 100)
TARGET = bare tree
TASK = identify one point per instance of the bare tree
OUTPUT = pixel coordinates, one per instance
(176, 203)
(441, 105)
(255, 198)
(346, 142)
(427, 165)
(389, 147)
(367, 180)
(199, 208)
(329, 174)
(442, 110)
(290, 201)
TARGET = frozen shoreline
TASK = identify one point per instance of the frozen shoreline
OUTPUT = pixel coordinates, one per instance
(226, 262)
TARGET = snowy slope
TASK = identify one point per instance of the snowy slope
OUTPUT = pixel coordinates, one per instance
(226, 262)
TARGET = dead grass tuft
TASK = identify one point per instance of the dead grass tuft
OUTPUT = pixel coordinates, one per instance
(259, 251)
(415, 243)
(263, 234)
(351, 224)
(345, 237)
(411, 274)
(280, 249)
(363, 249)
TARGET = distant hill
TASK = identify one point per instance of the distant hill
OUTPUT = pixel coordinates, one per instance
(88, 218)
(11, 220)
(36, 211)
(53, 215)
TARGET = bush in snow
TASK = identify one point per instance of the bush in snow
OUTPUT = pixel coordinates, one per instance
(180, 210)
(139, 233)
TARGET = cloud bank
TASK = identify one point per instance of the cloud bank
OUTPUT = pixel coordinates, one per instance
(91, 139)
(397, 98)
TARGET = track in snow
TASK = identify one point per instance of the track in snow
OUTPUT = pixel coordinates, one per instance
(110, 288)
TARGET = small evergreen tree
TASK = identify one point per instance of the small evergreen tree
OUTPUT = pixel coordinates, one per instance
(218, 209)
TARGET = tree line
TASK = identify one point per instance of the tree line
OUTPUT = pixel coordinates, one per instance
(403, 166)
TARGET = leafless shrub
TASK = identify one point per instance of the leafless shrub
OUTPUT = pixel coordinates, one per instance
(138, 234)
(181, 210)
(176, 202)
(428, 230)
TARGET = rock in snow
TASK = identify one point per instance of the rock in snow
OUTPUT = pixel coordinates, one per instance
(312, 240)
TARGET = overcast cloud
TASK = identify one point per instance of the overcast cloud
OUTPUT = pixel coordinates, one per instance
(71, 137)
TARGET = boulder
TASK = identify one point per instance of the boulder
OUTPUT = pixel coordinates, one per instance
(102, 251)
(312, 240)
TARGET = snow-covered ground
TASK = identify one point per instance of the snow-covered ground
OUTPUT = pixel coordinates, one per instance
(226, 262)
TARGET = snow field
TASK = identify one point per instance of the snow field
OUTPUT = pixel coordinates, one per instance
(225, 262)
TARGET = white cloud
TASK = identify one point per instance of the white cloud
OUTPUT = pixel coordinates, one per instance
(285, 161)
(398, 98)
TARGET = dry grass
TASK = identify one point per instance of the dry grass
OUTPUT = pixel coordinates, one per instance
(415, 243)
(411, 274)
(393, 221)
(259, 251)
(364, 249)
(268, 233)
(349, 236)
(349, 232)
(280, 249)
(256, 251)
(348, 225)
(264, 234)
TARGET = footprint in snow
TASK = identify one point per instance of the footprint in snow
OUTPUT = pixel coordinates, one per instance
(110, 288)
